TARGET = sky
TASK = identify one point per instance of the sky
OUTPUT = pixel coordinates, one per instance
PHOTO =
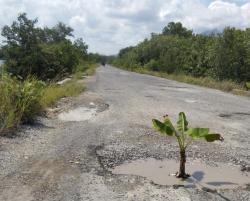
(109, 25)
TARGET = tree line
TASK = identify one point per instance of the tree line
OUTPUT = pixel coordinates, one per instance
(46, 53)
(223, 56)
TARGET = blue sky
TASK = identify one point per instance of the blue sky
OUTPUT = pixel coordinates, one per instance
(109, 25)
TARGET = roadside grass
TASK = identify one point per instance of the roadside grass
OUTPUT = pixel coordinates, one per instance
(85, 69)
(21, 101)
(225, 85)
(53, 92)
(91, 70)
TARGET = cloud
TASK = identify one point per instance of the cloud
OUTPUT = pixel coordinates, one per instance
(110, 25)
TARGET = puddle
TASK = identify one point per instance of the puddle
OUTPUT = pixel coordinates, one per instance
(161, 172)
(78, 114)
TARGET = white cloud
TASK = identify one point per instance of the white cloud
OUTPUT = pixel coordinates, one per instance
(110, 25)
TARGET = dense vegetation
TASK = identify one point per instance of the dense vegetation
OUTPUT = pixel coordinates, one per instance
(46, 53)
(177, 50)
(35, 58)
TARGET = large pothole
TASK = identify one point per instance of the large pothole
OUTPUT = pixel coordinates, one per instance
(161, 172)
(78, 114)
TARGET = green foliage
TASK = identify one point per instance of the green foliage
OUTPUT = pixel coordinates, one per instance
(182, 132)
(163, 128)
(59, 60)
(30, 93)
(177, 50)
(184, 136)
(46, 53)
(248, 85)
(19, 101)
(54, 92)
(176, 29)
(32, 54)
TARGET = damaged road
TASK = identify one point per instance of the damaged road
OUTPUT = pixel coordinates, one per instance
(69, 155)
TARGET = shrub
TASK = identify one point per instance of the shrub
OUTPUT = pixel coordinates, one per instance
(19, 102)
(30, 94)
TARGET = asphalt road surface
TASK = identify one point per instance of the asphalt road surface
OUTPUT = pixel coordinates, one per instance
(66, 159)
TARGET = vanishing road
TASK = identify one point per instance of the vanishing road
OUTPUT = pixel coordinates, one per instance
(67, 155)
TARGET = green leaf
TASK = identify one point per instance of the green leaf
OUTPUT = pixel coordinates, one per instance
(248, 85)
(163, 127)
(213, 137)
(182, 122)
(197, 133)
(168, 122)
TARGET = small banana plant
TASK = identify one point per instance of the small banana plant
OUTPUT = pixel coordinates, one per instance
(185, 136)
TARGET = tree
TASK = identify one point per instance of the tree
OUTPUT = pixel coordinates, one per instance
(224, 56)
(184, 136)
(81, 46)
(21, 49)
(46, 53)
(176, 29)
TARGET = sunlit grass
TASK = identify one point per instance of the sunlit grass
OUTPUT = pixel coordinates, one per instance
(54, 92)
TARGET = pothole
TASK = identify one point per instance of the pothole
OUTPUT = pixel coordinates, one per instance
(78, 114)
(203, 176)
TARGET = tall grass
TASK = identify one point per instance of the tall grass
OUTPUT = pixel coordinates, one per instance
(19, 101)
(54, 92)
(85, 69)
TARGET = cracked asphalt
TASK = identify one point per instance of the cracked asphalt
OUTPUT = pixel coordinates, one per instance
(70, 161)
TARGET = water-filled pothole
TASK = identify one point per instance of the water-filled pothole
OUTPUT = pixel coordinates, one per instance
(78, 114)
(161, 172)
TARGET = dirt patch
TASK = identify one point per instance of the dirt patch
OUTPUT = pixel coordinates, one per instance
(162, 173)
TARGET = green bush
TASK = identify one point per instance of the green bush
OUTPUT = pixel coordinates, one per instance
(19, 102)
(46, 53)
(8, 117)
(224, 56)
(30, 94)
(152, 65)
(248, 85)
